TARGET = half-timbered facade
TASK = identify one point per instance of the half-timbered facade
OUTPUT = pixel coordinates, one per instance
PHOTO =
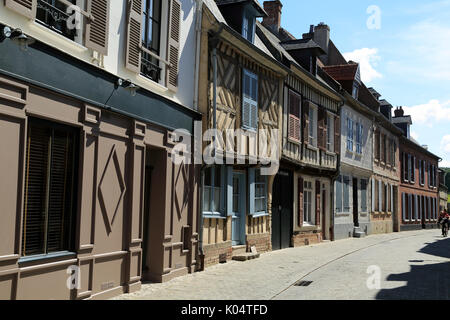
(240, 96)
(302, 201)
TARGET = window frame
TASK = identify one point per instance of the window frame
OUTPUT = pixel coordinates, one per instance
(306, 190)
(359, 138)
(222, 200)
(313, 125)
(253, 101)
(350, 134)
(364, 207)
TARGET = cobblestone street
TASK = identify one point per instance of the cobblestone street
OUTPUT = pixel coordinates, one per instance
(413, 265)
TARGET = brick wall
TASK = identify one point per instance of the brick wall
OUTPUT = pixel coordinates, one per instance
(306, 238)
(262, 242)
(217, 253)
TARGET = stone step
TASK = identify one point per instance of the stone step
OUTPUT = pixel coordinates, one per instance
(359, 234)
(239, 250)
(246, 256)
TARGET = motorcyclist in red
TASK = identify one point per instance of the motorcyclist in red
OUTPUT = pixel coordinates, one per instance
(444, 219)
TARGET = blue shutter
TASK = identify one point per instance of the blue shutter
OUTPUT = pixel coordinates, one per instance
(229, 190)
(392, 199)
(251, 180)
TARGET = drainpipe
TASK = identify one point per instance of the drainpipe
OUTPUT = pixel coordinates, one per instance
(198, 30)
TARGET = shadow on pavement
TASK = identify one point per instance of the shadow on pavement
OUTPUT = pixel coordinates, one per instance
(430, 281)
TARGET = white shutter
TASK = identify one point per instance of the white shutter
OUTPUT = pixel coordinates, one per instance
(380, 197)
(373, 195)
(392, 198)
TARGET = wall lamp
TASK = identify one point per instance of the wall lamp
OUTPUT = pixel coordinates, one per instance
(127, 84)
(16, 35)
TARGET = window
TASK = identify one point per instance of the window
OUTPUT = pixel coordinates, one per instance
(248, 27)
(312, 126)
(383, 148)
(359, 138)
(330, 133)
(413, 169)
(339, 194)
(377, 196)
(349, 134)
(294, 115)
(151, 39)
(250, 100)
(346, 197)
(260, 192)
(212, 190)
(50, 188)
(52, 14)
(363, 195)
(308, 205)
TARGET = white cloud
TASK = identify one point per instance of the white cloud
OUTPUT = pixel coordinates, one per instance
(367, 59)
(415, 135)
(429, 113)
(444, 164)
(445, 144)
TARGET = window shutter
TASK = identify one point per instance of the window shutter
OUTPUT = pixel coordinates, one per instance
(294, 116)
(133, 51)
(251, 180)
(373, 195)
(317, 203)
(416, 207)
(413, 168)
(321, 143)
(337, 135)
(392, 198)
(254, 115)
(174, 44)
(300, 202)
(97, 31)
(26, 8)
(338, 197)
(229, 188)
(403, 207)
(305, 119)
(380, 196)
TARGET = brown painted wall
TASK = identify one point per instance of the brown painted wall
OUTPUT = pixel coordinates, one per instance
(109, 220)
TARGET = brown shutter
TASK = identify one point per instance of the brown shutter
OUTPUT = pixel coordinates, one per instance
(317, 203)
(294, 116)
(26, 8)
(174, 44)
(337, 135)
(305, 119)
(133, 52)
(300, 202)
(325, 129)
(97, 31)
(321, 143)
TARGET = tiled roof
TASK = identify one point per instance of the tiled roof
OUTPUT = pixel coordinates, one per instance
(301, 44)
(342, 72)
(254, 2)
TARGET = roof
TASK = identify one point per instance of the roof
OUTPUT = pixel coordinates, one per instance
(405, 119)
(212, 6)
(255, 4)
(342, 72)
(384, 103)
(374, 92)
(301, 44)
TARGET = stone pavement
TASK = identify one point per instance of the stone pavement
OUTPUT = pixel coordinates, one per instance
(410, 262)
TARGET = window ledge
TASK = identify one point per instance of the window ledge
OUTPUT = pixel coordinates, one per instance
(50, 33)
(259, 215)
(311, 147)
(42, 257)
(214, 216)
(297, 142)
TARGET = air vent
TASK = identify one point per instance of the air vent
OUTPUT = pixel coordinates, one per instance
(303, 283)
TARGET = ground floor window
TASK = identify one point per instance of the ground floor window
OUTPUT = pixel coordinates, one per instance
(260, 192)
(363, 195)
(213, 190)
(50, 188)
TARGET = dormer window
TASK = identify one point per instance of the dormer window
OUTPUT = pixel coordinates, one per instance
(248, 26)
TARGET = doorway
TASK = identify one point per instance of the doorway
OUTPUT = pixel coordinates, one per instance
(239, 209)
(282, 213)
(324, 214)
(355, 203)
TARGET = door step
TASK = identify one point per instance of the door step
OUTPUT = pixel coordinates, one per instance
(358, 233)
(239, 250)
(246, 256)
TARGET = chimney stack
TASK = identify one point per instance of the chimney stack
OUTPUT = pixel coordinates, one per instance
(399, 112)
(273, 10)
(322, 36)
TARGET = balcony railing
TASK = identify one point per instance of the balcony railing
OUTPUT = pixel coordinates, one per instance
(150, 68)
(53, 15)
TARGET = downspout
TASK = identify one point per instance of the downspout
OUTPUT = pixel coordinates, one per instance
(198, 30)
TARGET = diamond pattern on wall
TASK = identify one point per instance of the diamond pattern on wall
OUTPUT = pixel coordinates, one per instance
(111, 189)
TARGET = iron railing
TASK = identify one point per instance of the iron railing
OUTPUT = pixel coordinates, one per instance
(52, 14)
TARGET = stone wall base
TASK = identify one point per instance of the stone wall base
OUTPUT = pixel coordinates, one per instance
(306, 238)
(217, 253)
(262, 242)
(381, 227)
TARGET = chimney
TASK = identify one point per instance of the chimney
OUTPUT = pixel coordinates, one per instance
(273, 10)
(322, 36)
(399, 112)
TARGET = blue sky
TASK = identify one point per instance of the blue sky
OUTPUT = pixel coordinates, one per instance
(407, 59)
